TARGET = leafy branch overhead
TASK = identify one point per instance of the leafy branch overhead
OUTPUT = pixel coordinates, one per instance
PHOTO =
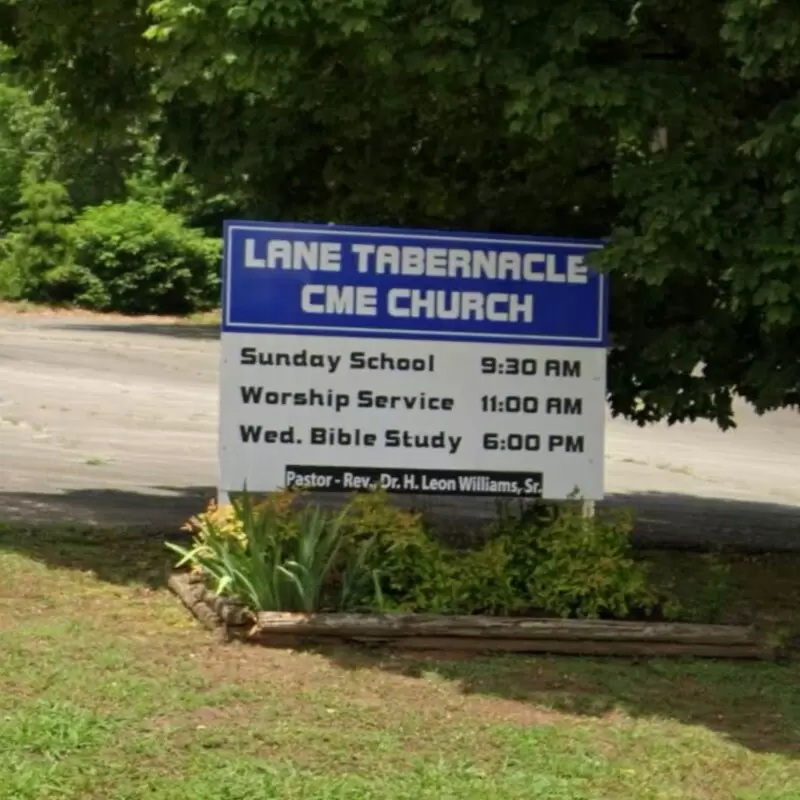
(670, 127)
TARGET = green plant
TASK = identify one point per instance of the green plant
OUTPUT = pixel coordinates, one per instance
(359, 582)
(411, 565)
(275, 556)
(519, 526)
(372, 554)
(537, 556)
(486, 580)
(235, 564)
(35, 259)
(713, 591)
(585, 567)
(22, 127)
(136, 257)
(303, 564)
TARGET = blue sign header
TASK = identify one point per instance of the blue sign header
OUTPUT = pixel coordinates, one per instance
(334, 280)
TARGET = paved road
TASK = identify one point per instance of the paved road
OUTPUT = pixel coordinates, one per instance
(110, 422)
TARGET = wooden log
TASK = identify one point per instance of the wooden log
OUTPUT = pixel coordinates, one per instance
(207, 596)
(471, 633)
(231, 613)
(187, 591)
(205, 616)
(191, 594)
(397, 626)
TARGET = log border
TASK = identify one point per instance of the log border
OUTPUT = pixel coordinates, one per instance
(211, 611)
(478, 634)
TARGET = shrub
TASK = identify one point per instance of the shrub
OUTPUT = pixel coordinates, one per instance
(410, 563)
(138, 258)
(414, 571)
(34, 256)
(583, 566)
(277, 555)
(130, 257)
(485, 581)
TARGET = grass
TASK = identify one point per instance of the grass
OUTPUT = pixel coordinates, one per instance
(108, 690)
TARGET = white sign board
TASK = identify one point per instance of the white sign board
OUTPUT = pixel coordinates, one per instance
(423, 362)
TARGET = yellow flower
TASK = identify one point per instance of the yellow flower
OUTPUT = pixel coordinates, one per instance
(215, 523)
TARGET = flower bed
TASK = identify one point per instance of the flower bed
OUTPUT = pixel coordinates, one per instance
(546, 579)
(285, 555)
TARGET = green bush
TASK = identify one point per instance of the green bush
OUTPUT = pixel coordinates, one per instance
(373, 555)
(486, 581)
(581, 566)
(411, 565)
(34, 255)
(131, 257)
(138, 258)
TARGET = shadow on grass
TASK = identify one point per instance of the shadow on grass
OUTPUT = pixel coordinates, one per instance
(118, 557)
(756, 705)
(117, 535)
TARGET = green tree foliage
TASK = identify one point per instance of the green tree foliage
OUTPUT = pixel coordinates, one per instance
(670, 126)
(133, 257)
(36, 143)
(13, 102)
(34, 257)
(23, 141)
(134, 254)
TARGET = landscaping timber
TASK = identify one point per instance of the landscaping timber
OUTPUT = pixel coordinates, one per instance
(210, 610)
(474, 633)
(491, 627)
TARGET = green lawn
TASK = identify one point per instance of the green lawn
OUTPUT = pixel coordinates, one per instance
(108, 690)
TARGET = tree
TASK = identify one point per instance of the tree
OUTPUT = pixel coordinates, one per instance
(670, 126)
(23, 141)
(36, 143)
(35, 256)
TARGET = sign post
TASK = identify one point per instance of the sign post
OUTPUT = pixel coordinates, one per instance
(423, 362)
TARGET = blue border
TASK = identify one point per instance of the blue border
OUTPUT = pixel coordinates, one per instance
(231, 326)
